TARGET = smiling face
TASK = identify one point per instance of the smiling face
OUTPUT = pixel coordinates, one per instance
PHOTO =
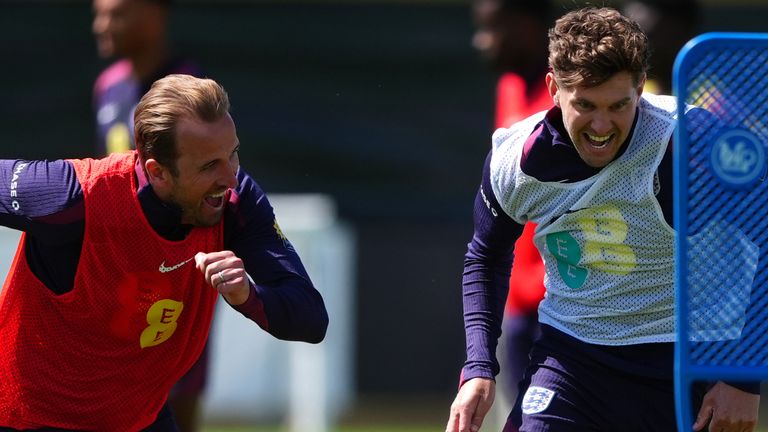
(206, 168)
(598, 119)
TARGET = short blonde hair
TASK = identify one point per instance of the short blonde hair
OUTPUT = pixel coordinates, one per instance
(169, 100)
(588, 46)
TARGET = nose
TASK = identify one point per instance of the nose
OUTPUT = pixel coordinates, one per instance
(100, 24)
(482, 40)
(230, 176)
(601, 124)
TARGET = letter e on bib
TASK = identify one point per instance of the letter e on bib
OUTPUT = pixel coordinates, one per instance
(161, 317)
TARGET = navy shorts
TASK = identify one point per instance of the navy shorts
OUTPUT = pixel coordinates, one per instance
(565, 391)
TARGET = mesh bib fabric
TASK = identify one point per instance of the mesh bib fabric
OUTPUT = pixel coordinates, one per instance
(105, 355)
(607, 249)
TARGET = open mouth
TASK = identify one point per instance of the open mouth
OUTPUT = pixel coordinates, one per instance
(598, 141)
(215, 200)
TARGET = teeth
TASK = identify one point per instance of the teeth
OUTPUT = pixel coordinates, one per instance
(599, 138)
(218, 195)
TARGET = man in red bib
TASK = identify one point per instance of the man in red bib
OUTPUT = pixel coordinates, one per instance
(110, 297)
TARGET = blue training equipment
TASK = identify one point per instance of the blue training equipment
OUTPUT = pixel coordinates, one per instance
(720, 213)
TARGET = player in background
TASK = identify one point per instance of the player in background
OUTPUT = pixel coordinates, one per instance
(511, 36)
(135, 32)
(594, 172)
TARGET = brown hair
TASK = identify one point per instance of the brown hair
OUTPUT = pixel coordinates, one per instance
(169, 100)
(588, 46)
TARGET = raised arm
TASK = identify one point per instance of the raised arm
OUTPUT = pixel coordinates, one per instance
(44, 199)
(283, 300)
(39, 196)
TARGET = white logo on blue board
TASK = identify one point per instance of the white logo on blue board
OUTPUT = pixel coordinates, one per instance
(738, 158)
(536, 399)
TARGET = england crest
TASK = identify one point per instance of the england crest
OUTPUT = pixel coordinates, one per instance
(536, 399)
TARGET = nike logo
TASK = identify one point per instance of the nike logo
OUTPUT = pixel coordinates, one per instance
(164, 269)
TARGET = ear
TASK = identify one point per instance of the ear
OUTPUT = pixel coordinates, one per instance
(158, 176)
(553, 89)
(641, 84)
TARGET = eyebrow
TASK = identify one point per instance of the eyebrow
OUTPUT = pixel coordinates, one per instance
(620, 101)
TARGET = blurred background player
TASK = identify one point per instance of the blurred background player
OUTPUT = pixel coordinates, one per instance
(135, 32)
(669, 24)
(512, 37)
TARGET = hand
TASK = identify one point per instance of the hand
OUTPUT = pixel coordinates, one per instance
(730, 410)
(471, 405)
(225, 272)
